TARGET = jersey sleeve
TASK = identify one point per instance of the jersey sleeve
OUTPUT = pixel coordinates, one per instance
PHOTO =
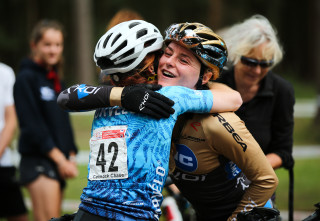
(83, 97)
(236, 143)
(189, 100)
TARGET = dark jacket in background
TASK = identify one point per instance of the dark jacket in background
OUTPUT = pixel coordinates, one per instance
(269, 115)
(43, 124)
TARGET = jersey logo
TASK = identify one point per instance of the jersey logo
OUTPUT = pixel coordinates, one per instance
(185, 159)
(232, 170)
(230, 129)
(194, 124)
(47, 94)
(84, 90)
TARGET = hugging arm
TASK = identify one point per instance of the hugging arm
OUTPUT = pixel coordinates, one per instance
(138, 98)
(224, 98)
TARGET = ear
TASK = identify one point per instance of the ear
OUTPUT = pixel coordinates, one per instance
(32, 45)
(151, 69)
(207, 76)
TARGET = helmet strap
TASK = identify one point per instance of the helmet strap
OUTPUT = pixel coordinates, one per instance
(199, 85)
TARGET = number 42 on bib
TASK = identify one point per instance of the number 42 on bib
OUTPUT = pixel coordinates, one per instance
(108, 153)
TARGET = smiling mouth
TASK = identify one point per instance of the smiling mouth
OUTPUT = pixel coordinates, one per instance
(167, 74)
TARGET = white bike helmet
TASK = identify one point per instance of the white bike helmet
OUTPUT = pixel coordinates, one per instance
(124, 46)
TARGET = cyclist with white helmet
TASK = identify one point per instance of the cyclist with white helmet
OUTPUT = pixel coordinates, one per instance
(129, 152)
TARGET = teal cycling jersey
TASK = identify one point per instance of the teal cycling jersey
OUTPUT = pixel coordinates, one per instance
(129, 157)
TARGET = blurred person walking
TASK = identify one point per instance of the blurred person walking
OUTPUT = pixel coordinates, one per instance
(13, 207)
(46, 142)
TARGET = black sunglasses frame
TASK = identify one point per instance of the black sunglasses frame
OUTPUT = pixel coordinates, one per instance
(250, 62)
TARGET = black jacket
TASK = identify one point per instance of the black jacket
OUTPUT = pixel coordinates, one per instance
(269, 115)
(43, 125)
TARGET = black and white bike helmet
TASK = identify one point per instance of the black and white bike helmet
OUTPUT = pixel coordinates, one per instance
(123, 47)
(209, 47)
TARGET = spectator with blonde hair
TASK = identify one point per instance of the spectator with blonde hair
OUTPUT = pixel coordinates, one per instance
(268, 99)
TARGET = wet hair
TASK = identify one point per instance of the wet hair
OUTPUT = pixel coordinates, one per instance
(241, 38)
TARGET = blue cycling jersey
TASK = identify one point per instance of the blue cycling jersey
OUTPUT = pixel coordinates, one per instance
(129, 157)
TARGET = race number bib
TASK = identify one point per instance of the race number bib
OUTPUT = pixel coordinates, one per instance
(108, 153)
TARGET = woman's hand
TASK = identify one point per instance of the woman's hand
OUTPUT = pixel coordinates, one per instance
(67, 168)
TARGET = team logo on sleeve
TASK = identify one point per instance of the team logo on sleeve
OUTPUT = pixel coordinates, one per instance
(185, 159)
(47, 94)
(84, 90)
(232, 170)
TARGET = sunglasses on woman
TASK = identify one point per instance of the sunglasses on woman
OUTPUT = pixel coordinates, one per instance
(254, 62)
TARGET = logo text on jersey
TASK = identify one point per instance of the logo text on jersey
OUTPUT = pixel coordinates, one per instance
(230, 129)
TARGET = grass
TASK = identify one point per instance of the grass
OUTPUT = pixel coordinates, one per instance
(306, 185)
(82, 126)
(303, 89)
(75, 186)
(306, 132)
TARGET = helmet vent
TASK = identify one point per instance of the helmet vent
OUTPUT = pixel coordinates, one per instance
(220, 47)
(106, 41)
(127, 63)
(133, 24)
(192, 27)
(149, 43)
(142, 33)
(104, 62)
(213, 51)
(115, 39)
(127, 54)
(208, 37)
(123, 45)
(155, 30)
(214, 54)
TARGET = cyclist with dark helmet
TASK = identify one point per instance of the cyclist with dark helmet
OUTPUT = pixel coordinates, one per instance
(216, 163)
(129, 152)
(207, 46)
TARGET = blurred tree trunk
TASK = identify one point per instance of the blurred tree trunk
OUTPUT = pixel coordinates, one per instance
(83, 47)
(32, 15)
(315, 35)
(215, 9)
(166, 16)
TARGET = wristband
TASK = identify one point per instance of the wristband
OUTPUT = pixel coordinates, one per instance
(115, 96)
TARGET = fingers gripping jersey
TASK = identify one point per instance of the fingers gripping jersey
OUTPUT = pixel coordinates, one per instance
(129, 157)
